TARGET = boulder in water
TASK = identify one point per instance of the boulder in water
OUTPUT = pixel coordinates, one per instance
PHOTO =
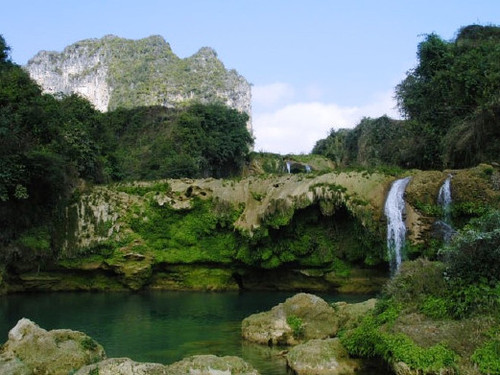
(123, 366)
(33, 350)
(300, 318)
(211, 365)
(321, 357)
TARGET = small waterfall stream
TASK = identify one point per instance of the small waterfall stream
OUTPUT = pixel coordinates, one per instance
(396, 229)
(444, 199)
(444, 227)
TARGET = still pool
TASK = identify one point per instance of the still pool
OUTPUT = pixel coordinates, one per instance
(156, 326)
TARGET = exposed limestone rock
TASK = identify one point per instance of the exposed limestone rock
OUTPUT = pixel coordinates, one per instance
(99, 214)
(212, 365)
(300, 318)
(33, 350)
(321, 357)
(113, 72)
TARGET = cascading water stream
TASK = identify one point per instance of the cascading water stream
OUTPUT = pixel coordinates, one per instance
(444, 199)
(396, 229)
(444, 227)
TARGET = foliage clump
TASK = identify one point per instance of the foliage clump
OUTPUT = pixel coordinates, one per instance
(451, 105)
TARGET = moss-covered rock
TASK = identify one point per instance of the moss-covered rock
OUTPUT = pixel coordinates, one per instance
(300, 318)
(194, 277)
(350, 314)
(212, 365)
(321, 357)
(33, 350)
(201, 365)
(123, 366)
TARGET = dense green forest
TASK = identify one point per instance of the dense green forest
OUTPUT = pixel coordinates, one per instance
(49, 143)
(451, 107)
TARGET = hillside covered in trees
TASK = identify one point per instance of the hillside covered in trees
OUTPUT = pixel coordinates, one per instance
(451, 107)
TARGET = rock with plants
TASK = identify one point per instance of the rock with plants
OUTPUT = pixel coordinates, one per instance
(321, 357)
(33, 350)
(300, 318)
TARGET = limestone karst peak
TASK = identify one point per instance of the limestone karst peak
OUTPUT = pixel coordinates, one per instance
(205, 53)
(113, 72)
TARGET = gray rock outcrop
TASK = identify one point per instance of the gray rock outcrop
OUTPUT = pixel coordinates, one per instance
(33, 350)
(321, 357)
(300, 318)
(114, 72)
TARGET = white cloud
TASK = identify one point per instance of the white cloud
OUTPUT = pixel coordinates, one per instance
(272, 94)
(295, 128)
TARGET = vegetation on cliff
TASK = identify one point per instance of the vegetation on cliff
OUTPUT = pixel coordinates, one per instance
(451, 106)
(123, 73)
(48, 144)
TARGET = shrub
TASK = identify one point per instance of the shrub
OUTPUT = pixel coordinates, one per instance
(416, 280)
(487, 357)
(370, 340)
(296, 325)
(474, 254)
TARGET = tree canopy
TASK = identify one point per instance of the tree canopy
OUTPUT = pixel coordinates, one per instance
(451, 104)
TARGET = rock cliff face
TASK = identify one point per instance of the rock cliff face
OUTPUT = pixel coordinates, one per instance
(113, 72)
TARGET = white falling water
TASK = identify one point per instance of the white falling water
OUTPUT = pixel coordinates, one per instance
(396, 229)
(288, 166)
(444, 198)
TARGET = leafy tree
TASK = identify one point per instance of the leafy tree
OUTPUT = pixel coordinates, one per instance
(452, 95)
(4, 50)
(451, 104)
(198, 140)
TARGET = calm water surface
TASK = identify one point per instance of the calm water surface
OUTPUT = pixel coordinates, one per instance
(158, 326)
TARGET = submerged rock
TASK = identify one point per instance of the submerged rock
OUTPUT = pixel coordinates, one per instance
(211, 365)
(321, 357)
(199, 365)
(33, 350)
(123, 366)
(301, 317)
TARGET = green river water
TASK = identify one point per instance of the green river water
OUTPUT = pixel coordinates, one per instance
(157, 326)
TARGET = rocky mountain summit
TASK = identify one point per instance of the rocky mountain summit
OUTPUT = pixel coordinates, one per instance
(114, 72)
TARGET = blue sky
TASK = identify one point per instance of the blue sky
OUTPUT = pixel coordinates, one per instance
(314, 64)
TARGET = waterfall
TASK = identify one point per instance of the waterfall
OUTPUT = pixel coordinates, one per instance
(308, 168)
(288, 167)
(396, 229)
(444, 199)
(443, 228)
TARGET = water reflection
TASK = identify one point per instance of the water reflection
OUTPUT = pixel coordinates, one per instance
(155, 326)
